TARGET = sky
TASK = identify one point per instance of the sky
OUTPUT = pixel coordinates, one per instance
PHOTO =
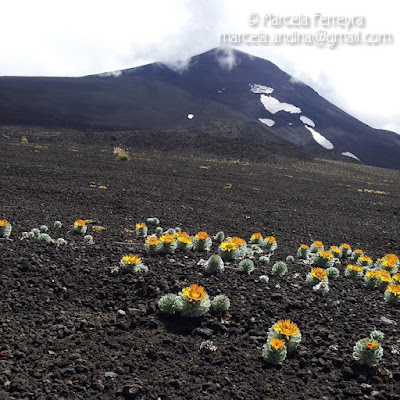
(75, 38)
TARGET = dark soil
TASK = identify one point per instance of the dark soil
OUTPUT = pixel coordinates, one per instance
(62, 337)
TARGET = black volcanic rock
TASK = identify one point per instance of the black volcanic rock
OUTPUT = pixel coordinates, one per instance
(157, 97)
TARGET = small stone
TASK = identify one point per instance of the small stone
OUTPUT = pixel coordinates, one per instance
(121, 312)
(388, 321)
(110, 374)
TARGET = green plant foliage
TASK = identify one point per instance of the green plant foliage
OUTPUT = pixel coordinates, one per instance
(368, 351)
(167, 303)
(214, 265)
(220, 304)
(246, 266)
(279, 268)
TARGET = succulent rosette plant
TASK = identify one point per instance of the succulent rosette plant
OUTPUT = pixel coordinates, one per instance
(390, 262)
(5, 229)
(392, 293)
(152, 245)
(368, 351)
(303, 252)
(353, 271)
(316, 275)
(365, 261)
(202, 242)
(356, 254)
(316, 246)
(80, 226)
(323, 259)
(336, 251)
(133, 263)
(256, 238)
(346, 250)
(167, 304)
(141, 229)
(275, 351)
(270, 243)
(228, 251)
(246, 266)
(287, 331)
(168, 244)
(240, 243)
(279, 268)
(384, 279)
(220, 304)
(193, 301)
(371, 278)
(214, 265)
(184, 241)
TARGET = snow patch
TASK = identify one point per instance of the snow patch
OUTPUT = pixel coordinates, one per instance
(267, 121)
(190, 116)
(348, 154)
(307, 121)
(320, 139)
(114, 74)
(256, 88)
(290, 124)
(273, 105)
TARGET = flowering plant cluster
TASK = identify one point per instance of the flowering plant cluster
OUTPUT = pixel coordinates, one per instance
(283, 337)
(5, 229)
(368, 351)
(192, 301)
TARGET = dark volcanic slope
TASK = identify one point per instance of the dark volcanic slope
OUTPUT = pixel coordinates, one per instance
(157, 97)
(61, 335)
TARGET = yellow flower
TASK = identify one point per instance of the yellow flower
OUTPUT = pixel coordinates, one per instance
(303, 246)
(390, 260)
(181, 234)
(152, 240)
(202, 235)
(168, 239)
(140, 225)
(357, 268)
(277, 344)
(194, 292)
(270, 239)
(345, 246)
(131, 259)
(184, 239)
(394, 288)
(396, 277)
(384, 276)
(228, 246)
(366, 259)
(371, 345)
(318, 244)
(3, 222)
(335, 249)
(79, 222)
(372, 274)
(256, 236)
(319, 273)
(358, 251)
(237, 240)
(325, 254)
(286, 328)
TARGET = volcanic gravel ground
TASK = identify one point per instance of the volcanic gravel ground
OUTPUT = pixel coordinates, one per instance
(62, 336)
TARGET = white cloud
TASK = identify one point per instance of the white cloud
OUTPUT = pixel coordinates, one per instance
(74, 38)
